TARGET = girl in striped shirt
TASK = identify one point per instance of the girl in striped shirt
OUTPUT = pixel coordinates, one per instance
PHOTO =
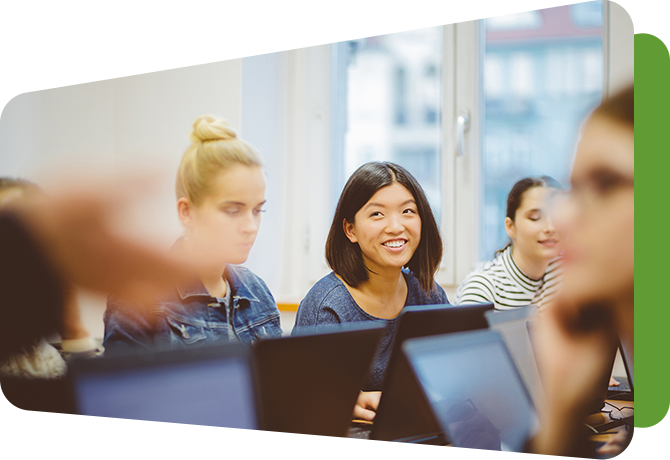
(527, 271)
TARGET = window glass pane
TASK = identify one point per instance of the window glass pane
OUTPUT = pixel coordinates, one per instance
(386, 107)
(542, 73)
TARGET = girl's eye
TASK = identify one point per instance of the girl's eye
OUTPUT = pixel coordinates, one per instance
(606, 182)
(409, 211)
(232, 210)
(375, 214)
(258, 211)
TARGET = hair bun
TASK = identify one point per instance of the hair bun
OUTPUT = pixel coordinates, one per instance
(209, 128)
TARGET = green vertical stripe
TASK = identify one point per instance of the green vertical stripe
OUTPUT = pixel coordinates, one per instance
(652, 193)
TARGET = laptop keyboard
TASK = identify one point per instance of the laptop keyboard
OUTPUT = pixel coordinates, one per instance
(623, 385)
(358, 437)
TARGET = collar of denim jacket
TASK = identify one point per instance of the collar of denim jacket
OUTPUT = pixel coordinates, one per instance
(194, 287)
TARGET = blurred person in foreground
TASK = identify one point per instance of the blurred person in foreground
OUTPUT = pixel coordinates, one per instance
(40, 360)
(595, 308)
(50, 243)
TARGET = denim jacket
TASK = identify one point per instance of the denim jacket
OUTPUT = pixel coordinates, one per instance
(189, 315)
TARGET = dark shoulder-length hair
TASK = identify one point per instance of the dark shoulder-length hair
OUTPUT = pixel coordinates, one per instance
(346, 258)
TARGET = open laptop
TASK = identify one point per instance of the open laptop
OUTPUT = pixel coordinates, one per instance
(403, 413)
(309, 383)
(513, 327)
(624, 391)
(474, 389)
(206, 385)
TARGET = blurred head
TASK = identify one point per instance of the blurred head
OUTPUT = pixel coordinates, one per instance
(15, 191)
(383, 220)
(529, 219)
(600, 212)
(220, 193)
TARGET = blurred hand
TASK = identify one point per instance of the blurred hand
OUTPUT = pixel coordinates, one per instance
(616, 444)
(366, 405)
(573, 355)
(75, 229)
(72, 326)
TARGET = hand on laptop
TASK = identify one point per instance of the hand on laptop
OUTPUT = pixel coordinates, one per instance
(366, 405)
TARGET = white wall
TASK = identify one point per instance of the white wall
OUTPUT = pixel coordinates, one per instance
(56, 85)
(264, 125)
(114, 83)
(118, 125)
(153, 115)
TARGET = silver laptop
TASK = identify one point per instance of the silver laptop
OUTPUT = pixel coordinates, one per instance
(474, 389)
(513, 325)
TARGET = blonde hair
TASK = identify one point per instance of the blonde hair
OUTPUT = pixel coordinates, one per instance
(215, 148)
(14, 191)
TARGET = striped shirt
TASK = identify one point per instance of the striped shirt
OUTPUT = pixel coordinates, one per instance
(502, 283)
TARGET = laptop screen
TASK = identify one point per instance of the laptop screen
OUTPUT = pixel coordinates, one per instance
(627, 356)
(214, 392)
(474, 389)
(513, 326)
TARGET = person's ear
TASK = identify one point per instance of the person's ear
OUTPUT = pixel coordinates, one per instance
(348, 228)
(509, 227)
(185, 211)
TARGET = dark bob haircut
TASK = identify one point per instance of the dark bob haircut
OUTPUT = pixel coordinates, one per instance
(345, 257)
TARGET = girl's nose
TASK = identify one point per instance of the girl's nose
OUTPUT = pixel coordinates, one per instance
(394, 225)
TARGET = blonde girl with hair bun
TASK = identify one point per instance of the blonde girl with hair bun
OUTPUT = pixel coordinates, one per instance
(220, 190)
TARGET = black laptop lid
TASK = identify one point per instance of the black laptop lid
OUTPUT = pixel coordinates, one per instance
(309, 383)
(211, 386)
(403, 413)
(474, 389)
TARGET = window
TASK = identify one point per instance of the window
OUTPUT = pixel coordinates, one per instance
(521, 84)
(539, 83)
(387, 107)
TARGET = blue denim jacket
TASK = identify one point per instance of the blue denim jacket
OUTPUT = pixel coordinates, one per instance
(189, 315)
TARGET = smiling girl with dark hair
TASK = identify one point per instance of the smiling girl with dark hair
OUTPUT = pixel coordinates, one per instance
(384, 248)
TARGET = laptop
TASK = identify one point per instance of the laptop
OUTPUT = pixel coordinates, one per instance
(513, 327)
(624, 391)
(404, 414)
(309, 382)
(205, 385)
(474, 389)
